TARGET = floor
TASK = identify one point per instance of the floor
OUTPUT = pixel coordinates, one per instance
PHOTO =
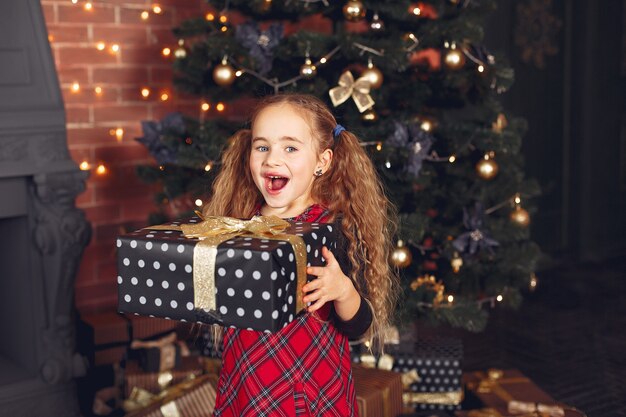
(569, 336)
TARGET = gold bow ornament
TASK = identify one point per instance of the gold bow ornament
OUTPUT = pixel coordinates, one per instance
(214, 230)
(359, 90)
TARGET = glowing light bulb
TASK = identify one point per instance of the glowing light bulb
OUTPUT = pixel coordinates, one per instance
(205, 106)
(224, 29)
(416, 11)
(115, 48)
(379, 146)
(388, 164)
(210, 17)
(450, 298)
(119, 133)
(220, 107)
(88, 6)
(100, 46)
(84, 166)
(157, 9)
(145, 15)
(98, 90)
(145, 92)
(481, 68)
(238, 73)
(198, 202)
(166, 51)
(323, 60)
(74, 1)
(452, 159)
(223, 18)
(426, 125)
(101, 170)
(50, 38)
(499, 297)
(75, 87)
(208, 167)
(165, 97)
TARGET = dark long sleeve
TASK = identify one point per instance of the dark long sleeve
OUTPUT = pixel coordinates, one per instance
(357, 325)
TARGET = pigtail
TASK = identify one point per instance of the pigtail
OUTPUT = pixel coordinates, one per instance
(234, 192)
(352, 187)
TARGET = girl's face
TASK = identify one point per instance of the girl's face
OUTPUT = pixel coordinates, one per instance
(283, 160)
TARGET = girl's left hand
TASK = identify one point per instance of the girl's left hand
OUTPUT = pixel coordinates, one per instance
(331, 283)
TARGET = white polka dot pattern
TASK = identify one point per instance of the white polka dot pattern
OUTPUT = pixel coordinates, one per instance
(253, 277)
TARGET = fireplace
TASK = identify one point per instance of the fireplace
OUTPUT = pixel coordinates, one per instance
(42, 234)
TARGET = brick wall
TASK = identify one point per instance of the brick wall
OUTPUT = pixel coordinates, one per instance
(115, 200)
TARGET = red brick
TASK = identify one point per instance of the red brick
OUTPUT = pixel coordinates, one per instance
(122, 153)
(77, 13)
(104, 194)
(176, 4)
(86, 272)
(121, 112)
(133, 94)
(95, 290)
(161, 110)
(65, 33)
(189, 109)
(161, 37)
(102, 212)
(142, 55)
(48, 13)
(138, 208)
(121, 34)
(81, 55)
(86, 197)
(107, 272)
(161, 75)
(70, 75)
(81, 154)
(98, 252)
(89, 136)
(121, 76)
(133, 16)
(77, 114)
(72, 97)
(185, 13)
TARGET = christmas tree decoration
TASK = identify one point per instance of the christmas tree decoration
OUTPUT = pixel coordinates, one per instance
(456, 262)
(354, 11)
(487, 168)
(154, 134)
(265, 6)
(359, 90)
(377, 25)
(260, 44)
(373, 75)
(369, 116)
(401, 256)
(500, 124)
(533, 282)
(431, 284)
(476, 238)
(416, 140)
(410, 41)
(454, 59)
(224, 73)
(180, 52)
(520, 216)
(308, 70)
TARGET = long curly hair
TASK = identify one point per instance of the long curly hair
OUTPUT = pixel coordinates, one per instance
(350, 189)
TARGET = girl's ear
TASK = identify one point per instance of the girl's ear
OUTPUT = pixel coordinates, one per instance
(325, 159)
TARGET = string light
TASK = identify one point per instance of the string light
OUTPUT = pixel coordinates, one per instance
(388, 164)
(238, 73)
(145, 92)
(379, 146)
(165, 96)
(88, 6)
(224, 29)
(450, 298)
(75, 87)
(115, 48)
(98, 90)
(74, 1)
(166, 51)
(119, 134)
(161, 168)
(208, 166)
(157, 9)
(100, 46)
(481, 68)
(198, 202)
(499, 297)
(210, 17)
(220, 107)
(205, 106)
(101, 170)
(223, 18)
(532, 284)
(145, 15)
(452, 159)
(84, 166)
(416, 11)
(50, 38)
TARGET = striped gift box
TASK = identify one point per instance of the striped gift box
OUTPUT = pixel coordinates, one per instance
(155, 382)
(378, 392)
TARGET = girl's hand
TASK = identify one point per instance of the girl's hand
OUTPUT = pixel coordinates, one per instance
(331, 283)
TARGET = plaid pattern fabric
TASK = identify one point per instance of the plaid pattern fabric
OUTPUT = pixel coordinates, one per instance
(302, 370)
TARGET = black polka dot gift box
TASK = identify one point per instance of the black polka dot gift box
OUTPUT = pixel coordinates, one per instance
(245, 274)
(432, 370)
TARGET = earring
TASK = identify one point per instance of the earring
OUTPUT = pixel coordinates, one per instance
(318, 173)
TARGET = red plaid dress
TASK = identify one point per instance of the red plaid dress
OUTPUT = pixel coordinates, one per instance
(302, 370)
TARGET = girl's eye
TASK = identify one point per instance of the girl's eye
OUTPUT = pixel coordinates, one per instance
(291, 149)
(262, 148)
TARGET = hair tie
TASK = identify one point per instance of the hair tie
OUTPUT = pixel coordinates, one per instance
(337, 130)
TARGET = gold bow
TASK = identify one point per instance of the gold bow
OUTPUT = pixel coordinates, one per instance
(446, 398)
(359, 90)
(214, 230)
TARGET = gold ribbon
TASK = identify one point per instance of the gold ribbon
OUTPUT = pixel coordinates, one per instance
(446, 398)
(359, 90)
(521, 407)
(214, 230)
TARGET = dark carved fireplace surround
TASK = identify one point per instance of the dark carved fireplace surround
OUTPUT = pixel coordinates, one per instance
(42, 234)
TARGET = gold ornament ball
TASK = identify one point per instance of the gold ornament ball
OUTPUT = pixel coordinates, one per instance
(373, 75)
(456, 262)
(369, 116)
(454, 59)
(354, 11)
(377, 25)
(520, 216)
(224, 74)
(180, 52)
(487, 169)
(308, 70)
(401, 256)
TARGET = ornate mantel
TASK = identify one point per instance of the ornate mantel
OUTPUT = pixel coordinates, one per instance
(42, 233)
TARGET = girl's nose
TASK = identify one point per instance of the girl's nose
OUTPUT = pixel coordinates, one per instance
(272, 158)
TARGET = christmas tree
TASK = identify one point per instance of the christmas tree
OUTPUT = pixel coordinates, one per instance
(414, 81)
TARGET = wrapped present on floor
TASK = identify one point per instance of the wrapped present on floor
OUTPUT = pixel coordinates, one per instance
(378, 392)
(191, 398)
(509, 393)
(246, 274)
(158, 354)
(431, 369)
(155, 382)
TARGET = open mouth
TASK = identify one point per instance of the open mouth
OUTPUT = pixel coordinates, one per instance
(275, 183)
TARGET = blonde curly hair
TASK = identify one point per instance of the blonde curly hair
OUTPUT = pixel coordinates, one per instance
(350, 189)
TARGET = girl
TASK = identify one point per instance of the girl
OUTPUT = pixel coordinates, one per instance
(296, 162)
